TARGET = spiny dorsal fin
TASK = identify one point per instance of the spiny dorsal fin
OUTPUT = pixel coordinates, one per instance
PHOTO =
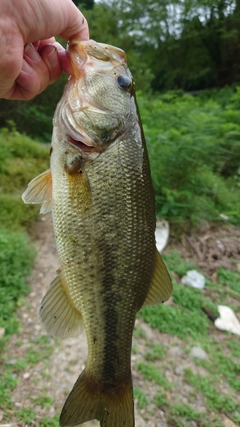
(161, 285)
(39, 191)
(57, 312)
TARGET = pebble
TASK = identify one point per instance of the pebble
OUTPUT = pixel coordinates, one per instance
(26, 375)
(18, 404)
(198, 353)
(178, 370)
(194, 279)
(147, 331)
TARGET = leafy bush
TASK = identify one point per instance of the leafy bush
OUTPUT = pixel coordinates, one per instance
(194, 151)
(16, 258)
(21, 159)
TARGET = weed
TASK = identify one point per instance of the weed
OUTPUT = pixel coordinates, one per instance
(152, 373)
(176, 263)
(160, 399)
(229, 278)
(7, 384)
(49, 422)
(44, 401)
(16, 259)
(156, 352)
(175, 321)
(185, 411)
(215, 400)
(141, 398)
(27, 415)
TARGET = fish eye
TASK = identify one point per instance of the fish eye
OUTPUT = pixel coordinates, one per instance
(124, 82)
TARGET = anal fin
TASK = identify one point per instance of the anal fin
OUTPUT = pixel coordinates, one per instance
(58, 313)
(161, 286)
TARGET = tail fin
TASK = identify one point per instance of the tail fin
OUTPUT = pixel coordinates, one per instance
(87, 401)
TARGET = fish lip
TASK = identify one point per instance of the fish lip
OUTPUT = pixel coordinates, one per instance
(82, 145)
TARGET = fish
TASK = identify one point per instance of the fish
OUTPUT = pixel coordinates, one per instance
(100, 192)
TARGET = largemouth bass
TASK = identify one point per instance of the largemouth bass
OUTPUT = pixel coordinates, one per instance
(100, 192)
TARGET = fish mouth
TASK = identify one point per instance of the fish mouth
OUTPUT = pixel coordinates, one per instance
(80, 144)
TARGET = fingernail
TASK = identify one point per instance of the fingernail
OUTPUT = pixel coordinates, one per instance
(31, 52)
(52, 57)
(25, 66)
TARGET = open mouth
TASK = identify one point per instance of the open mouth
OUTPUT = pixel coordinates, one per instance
(81, 145)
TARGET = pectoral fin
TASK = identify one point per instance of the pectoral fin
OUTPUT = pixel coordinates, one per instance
(57, 312)
(161, 285)
(39, 191)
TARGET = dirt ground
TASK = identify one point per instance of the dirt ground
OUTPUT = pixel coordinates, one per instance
(55, 376)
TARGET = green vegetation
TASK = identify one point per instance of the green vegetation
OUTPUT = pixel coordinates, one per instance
(215, 400)
(150, 372)
(20, 160)
(141, 398)
(157, 352)
(16, 258)
(193, 146)
(184, 317)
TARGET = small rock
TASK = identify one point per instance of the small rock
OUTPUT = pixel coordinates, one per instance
(227, 320)
(198, 353)
(147, 331)
(220, 245)
(26, 375)
(194, 279)
(2, 332)
(178, 370)
(12, 362)
(18, 404)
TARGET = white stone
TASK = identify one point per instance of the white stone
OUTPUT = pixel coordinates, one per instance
(198, 353)
(227, 320)
(26, 376)
(194, 278)
(162, 234)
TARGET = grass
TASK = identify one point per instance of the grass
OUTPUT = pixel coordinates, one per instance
(215, 401)
(185, 318)
(20, 160)
(149, 371)
(16, 258)
(141, 398)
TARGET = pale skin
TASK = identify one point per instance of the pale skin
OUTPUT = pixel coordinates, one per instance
(30, 57)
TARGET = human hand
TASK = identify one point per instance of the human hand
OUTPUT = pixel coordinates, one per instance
(30, 57)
